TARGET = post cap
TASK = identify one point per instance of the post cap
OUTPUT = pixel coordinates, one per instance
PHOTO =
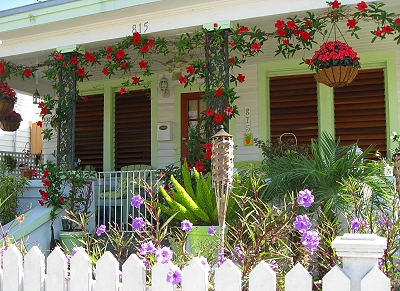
(359, 245)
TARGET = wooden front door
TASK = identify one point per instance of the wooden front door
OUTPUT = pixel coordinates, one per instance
(191, 107)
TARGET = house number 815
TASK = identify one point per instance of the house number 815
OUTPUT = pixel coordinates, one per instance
(140, 27)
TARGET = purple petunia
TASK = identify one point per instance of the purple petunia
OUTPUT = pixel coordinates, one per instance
(310, 240)
(186, 225)
(355, 224)
(137, 200)
(101, 229)
(138, 223)
(239, 253)
(212, 230)
(305, 198)
(273, 264)
(75, 250)
(221, 259)
(147, 248)
(302, 223)
(164, 255)
(174, 276)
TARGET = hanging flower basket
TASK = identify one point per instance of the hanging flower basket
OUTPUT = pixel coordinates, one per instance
(9, 125)
(338, 76)
(6, 107)
(336, 64)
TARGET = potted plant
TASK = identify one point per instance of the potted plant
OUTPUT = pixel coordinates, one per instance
(8, 98)
(68, 190)
(10, 121)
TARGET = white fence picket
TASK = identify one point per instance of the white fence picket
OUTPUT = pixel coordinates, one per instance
(336, 279)
(228, 277)
(159, 277)
(107, 273)
(375, 280)
(81, 272)
(12, 274)
(56, 278)
(195, 276)
(262, 278)
(133, 274)
(34, 270)
(298, 279)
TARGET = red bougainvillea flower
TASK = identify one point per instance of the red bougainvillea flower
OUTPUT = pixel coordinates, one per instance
(58, 56)
(119, 54)
(215, 25)
(232, 43)
(62, 200)
(231, 60)
(123, 65)
(182, 79)
(378, 32)
(105, 71)
(199, 166)
(108, 57)
(351, 23)
(280, 24)
(80, 72)
(397, 20)
(219, 92)
(34, 172)
(362, 6)
(73, 61)
(305, 35)
(64, 64)
(41, 202)
(281, 32)
(240, 78)
(207, 146)
(144, 48)
(85, 98)
(335, 4)
(136, 38)
(209, 112)
(44, 194)
(308, 23)
(387, 29)
(207, 155)
(218, 118)
(46, 173)
(122, 91)
(150, 43)
(109, 49)
(41, 105)
(190, 70)
(243, 29)
(255, 47)
(44, 111)
(135, 80)
(142, 64)
(291, 24)
(90, 57)
(46, 183)
(27, 72)
(39, 123)
(285, 42)
(228, 111)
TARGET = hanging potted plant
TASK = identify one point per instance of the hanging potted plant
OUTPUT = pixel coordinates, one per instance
(336, 64)
(10, 121)
(8, 98)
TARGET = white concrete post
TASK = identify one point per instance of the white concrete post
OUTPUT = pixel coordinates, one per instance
(360, 253)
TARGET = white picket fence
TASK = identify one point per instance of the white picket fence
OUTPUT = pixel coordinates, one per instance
(29, 274)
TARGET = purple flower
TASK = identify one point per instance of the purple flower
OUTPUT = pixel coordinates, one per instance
(355, 224)
(221, 259)
(101, 229)
(239, 253)
(136, 201)
(174, 276)
(138, 223)
(305, 198)
(186, 225)
(276, 210)
(291, 262)
(310, 240)
(147, 248)
(384, 221)
(75, 250)
(2, 250)
(211, 230)
(164, 255)
(302, 223)
(380, 263)
(204, 262)
(273, 264)
(120, 275)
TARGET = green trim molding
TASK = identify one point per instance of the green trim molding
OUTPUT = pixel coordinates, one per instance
(385, 60)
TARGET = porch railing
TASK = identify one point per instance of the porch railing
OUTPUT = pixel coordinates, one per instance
(114, 191)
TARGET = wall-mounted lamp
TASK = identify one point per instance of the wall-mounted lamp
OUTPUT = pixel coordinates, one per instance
(163, 85)
(36, 97)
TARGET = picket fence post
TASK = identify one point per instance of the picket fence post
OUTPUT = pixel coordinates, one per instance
(360, 253)
(195, 276)
(56, 270)
(133, 274)
(34, 270)
(12, 275)
(228, 277)
(298, 279)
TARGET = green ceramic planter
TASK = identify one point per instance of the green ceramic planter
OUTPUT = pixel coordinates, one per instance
(70, 239)
(201, 242)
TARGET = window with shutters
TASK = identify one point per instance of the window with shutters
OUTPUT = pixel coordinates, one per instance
(293, 105)
(360, 111)
(89, 132)
(132, 129)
